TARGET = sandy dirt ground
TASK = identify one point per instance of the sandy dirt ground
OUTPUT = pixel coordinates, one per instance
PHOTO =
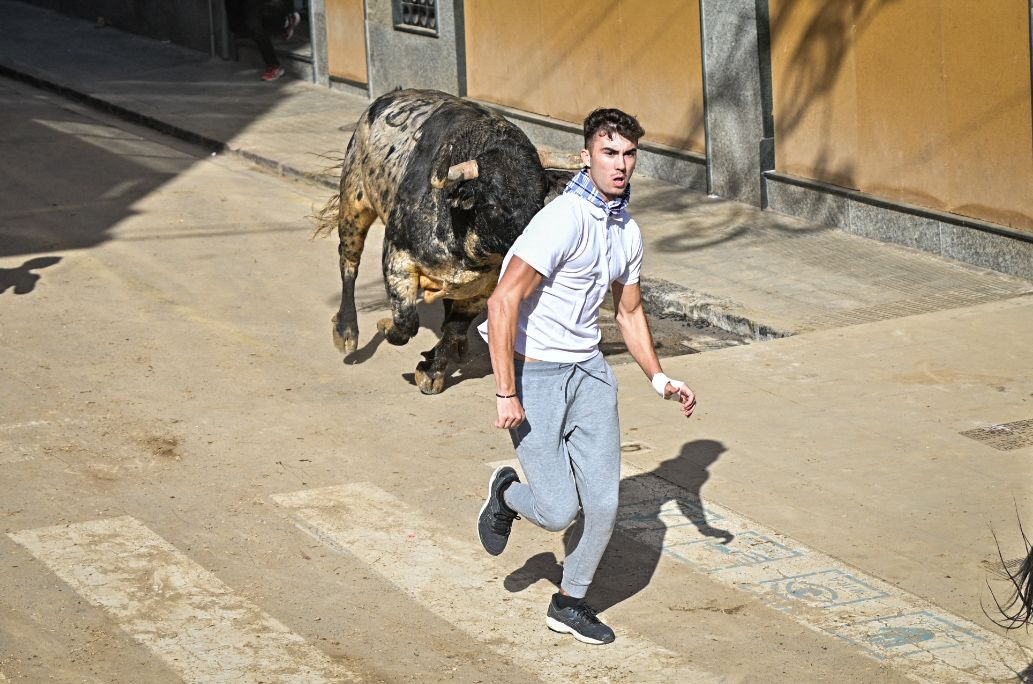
(193, 486)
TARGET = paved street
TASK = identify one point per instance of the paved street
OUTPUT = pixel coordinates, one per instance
(195, 487)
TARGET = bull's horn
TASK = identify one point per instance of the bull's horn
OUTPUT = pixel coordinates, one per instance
(463, 171)
(559, 160)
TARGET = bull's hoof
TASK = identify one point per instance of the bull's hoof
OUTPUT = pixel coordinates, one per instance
(387, 328)
(457, 350)
(346, 341)
(430, 384)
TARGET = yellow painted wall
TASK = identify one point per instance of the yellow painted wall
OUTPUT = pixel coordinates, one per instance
(921, 101)
(564, 58)
(346, 39)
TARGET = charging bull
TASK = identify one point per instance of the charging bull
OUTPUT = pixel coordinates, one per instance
(455, 184)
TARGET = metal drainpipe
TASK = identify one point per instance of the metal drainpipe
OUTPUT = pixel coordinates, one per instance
(706, 113)
(767, 142)
(211, 29)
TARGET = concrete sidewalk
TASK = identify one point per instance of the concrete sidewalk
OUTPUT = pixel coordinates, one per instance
(861, 436)
(742, 269)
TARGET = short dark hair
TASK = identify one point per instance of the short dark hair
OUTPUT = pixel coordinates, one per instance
(612, 121)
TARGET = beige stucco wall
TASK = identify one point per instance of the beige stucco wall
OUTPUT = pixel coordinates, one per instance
(562, 58)
(921, 101)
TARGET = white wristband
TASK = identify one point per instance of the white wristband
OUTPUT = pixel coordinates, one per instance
(659, 383)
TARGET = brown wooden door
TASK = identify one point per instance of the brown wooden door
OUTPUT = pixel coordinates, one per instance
(346, 40)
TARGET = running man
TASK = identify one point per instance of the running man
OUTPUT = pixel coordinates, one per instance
(555, 393)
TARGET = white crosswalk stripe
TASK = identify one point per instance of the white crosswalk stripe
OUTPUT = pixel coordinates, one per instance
(447, 577)
(13, 447)
(884, 622)
(8, 427)
(182, 612)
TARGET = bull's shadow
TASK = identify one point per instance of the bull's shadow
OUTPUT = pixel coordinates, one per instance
(629, 563)
(475, 364)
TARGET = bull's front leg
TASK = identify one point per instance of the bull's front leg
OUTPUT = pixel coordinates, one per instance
(431, 372)
(402, 282)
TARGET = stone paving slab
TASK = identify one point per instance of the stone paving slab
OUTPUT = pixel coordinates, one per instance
(853, 441)
(788, 276)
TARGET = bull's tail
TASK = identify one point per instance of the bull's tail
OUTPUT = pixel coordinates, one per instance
(327, 219)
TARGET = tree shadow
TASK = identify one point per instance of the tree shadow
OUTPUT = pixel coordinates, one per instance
(812, 66)
(22, 278)
(634, 551)
(685, 221)
(98, 172)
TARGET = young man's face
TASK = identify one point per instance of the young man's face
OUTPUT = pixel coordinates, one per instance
(610, 162)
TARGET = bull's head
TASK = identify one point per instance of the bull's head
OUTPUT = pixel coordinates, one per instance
(497, 194)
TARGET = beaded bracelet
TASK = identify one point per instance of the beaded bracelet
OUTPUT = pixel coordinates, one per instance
(504, 396)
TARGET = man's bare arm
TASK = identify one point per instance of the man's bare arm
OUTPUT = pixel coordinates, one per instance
(631, 319)
(516, 285)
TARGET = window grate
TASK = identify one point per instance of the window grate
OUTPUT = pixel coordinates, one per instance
(416, 16)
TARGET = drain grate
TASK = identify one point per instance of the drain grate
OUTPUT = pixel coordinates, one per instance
(1003, 570)
(1004, 436)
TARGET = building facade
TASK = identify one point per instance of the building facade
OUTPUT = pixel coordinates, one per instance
(907, 121)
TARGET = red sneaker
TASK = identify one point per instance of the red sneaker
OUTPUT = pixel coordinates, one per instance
(273, 73)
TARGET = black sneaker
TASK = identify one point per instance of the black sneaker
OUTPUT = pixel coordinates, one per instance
(496, 518)
(579, 620)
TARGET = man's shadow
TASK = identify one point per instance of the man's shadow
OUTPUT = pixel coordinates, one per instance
(637, 542)
(22, 278)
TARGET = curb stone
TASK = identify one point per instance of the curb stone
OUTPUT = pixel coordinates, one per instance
(664, 298)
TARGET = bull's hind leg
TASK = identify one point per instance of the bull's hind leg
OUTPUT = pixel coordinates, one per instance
(402, 282)
(354, 219)
(431, 372)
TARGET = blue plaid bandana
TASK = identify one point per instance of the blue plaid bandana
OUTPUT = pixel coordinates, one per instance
(582, 186)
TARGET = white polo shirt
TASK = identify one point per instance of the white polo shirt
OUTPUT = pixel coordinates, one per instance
(580, 250)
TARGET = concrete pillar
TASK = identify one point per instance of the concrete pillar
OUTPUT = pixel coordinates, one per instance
(737, 95)
(405, 59)
(317, 31)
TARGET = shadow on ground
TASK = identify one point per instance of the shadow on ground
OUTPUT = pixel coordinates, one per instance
(629, 564)
(22, 279)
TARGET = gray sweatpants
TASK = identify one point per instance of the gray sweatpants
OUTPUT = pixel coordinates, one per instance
(569, 449)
